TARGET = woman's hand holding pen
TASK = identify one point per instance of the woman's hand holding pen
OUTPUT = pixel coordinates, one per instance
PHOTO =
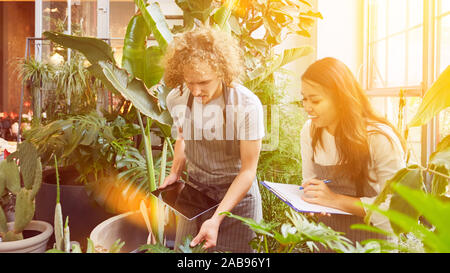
(317, 192)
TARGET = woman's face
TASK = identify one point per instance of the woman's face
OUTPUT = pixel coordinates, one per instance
(202, 81)
(319, 106)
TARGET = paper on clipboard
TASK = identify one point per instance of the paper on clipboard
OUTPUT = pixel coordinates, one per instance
(292, 196)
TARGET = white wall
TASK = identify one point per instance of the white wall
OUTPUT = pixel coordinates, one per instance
(340, 33)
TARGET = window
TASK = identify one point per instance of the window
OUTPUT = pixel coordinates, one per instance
(443, 57)
(396, 44)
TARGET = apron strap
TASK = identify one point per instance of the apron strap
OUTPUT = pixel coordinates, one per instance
(225, 94)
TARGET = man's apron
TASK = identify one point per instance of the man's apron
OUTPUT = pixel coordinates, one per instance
(212, 166)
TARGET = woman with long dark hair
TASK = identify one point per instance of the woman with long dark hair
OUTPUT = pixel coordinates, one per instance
(345, 141)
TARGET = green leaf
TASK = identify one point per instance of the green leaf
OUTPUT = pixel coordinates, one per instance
(222, 15)
(10, 173)
(157, 248)
(24, 210)
(441, 157)
(260, 228)
(53, 250)
(195, 9)
(436, 99)
(135, 43)
(28, 157)
(408, 224)
(37, 178)
(284, 58)
(59, 228)
(90, 246)
(434, 210)
(371, 229)
(94, 49)
(136, 92)
(3, 221)
(156, 22)
(153, 66)
(414, 180)
(116, 247)
(186, 246)
(2, 183)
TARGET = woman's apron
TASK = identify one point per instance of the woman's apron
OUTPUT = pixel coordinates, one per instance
(212, 166)
(341, 222)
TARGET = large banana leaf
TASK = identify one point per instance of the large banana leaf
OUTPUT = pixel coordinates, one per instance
(195, 9)
(94, 49)
(153, 68)
(223, 14)
(413, 179)
(434, 210)
(440, 162)
(436, 99)
(135, 43)
(286, 57)
(136, 92)
(156, 22)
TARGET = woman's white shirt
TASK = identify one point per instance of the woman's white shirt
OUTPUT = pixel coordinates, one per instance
(386, 158)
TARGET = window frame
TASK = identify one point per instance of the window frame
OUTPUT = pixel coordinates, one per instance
(431, 40)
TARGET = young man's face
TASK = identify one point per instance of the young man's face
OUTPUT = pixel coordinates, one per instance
(203, 83)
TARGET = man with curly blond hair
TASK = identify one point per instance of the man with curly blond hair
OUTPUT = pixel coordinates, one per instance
(219, 126)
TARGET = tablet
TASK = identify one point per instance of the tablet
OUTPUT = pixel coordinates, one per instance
(185, 200)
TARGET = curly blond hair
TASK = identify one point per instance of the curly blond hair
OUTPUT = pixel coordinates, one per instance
(203, 44)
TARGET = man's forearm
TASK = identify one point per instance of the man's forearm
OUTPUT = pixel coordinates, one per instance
(179, 159)
(237, 191)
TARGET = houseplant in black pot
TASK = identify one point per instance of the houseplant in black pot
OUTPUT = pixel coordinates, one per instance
(86, 147)
(24, 234)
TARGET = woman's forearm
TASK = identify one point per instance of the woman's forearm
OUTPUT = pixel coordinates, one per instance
(349, 204)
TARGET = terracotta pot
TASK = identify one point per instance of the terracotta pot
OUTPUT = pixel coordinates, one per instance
(34, 244)
(128, 227)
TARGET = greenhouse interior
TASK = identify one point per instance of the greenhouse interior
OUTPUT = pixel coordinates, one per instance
(225, 126)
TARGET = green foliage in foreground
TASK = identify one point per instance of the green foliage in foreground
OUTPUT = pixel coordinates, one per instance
(75, 248)
(301, 235)
(184, 248)
(432, 236)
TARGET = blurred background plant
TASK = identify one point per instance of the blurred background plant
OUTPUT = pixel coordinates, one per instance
(420, 200)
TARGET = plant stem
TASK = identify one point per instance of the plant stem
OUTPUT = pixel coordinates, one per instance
(265, 244)
(148, 151)
(151, 175)
(292, 248)
(162, 173)
(431, 171)
(57, 180)
(170, 146)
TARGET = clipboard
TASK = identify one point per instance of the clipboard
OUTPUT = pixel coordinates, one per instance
(291, 195)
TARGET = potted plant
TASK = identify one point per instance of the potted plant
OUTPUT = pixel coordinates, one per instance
(134, 88)
(87, 148)
(24, 234)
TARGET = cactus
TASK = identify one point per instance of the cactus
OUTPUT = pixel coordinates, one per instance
(30, 170)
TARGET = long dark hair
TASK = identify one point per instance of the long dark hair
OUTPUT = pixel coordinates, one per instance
(355, 114)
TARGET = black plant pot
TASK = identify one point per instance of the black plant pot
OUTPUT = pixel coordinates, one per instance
(84, 214)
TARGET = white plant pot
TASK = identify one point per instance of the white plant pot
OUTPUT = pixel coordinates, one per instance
(35, 244)
(128, 227)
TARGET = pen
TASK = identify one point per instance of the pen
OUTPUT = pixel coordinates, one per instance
(325, 181)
